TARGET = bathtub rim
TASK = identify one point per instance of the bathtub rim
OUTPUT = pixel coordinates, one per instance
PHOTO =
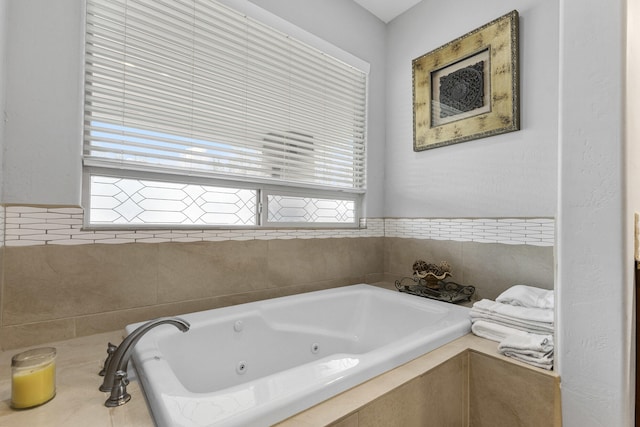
(321, 391)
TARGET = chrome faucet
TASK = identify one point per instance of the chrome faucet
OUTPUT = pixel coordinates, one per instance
(115, 367)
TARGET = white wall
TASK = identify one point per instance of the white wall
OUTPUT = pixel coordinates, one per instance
(42, 139)
(632, 113)
(632, 183)
(594, 262)
(507, 175)
(44, 99)
(3, 62)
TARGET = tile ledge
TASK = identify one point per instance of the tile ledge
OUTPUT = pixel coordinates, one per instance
(81, 358)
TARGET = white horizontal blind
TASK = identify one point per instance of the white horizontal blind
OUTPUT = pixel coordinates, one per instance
(195, 88)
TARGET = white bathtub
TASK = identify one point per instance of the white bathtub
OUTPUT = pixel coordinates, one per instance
(258, 363)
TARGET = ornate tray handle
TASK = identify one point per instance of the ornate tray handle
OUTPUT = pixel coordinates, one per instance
(446, 291)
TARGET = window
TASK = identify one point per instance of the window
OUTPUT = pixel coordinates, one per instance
(130, 201)
(198, 114)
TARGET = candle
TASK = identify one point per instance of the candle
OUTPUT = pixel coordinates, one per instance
(33, 379)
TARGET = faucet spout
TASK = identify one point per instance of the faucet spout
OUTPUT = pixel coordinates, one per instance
(115, 369)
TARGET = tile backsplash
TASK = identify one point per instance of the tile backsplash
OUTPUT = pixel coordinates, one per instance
(59, 280)
(510, 231)
(29, 226)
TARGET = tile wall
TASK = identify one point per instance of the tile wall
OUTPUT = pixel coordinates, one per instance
(29, 226)
(461, 386)
(508, 231)
(60, 281)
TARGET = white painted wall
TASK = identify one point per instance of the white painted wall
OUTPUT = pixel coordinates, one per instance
(507, 175)
(632, 122)
(44, 74)
(3, 62)
(594, 265)
(632, 184)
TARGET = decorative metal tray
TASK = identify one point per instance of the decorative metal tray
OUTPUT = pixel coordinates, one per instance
(447, 291)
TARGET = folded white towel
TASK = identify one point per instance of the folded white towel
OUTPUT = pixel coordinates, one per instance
(527, 326)
(513, 316)
(532, 345)
(532, 327)
(544, 362)
(494, 331)
(533, 349)
(527, 296)
(537, 315)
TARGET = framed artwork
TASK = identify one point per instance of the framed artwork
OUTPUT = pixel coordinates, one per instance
(468, 88)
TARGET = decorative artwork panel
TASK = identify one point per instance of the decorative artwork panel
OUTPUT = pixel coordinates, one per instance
(468, 88)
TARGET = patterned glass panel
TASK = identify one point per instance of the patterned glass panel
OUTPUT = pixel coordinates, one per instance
(310, 210)
(124, 201)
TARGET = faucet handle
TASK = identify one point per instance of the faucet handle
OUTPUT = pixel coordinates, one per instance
(110, 350)
(119, 395)
(115, 377)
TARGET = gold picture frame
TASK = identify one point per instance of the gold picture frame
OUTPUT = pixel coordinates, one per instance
(468, 88)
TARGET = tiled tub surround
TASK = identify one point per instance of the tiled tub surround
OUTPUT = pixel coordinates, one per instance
(463, 383)
(490, 267)
(56, 292)
(60, 281)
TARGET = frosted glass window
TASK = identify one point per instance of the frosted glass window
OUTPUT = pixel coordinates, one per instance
(294, 209)
(125, 201)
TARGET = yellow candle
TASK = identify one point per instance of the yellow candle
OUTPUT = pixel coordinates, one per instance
(33, 380)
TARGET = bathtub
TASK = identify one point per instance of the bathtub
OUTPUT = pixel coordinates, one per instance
(258, 363)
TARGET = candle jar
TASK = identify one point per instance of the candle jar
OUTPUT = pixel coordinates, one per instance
(33, 377)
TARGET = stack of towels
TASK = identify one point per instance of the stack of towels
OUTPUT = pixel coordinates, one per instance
(521, 320)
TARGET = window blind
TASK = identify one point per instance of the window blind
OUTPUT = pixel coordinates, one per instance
(196, 88)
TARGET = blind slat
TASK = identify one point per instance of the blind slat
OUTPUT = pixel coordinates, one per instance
(196, 86)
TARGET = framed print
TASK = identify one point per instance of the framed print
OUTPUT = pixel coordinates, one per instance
(468, 88)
